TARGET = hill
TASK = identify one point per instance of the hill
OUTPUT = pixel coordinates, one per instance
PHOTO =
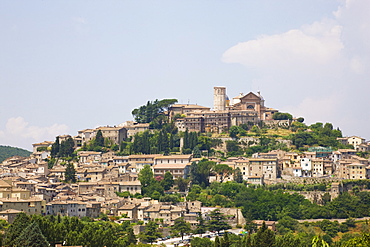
(7, 151)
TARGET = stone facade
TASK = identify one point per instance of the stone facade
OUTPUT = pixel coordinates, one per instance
(244, 109)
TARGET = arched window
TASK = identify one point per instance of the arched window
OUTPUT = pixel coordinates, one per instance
(250, 107)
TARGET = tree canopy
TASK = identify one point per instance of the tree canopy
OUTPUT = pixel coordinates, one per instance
(153, 111)
(7, 152)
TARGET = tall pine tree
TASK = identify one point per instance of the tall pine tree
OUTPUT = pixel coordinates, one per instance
(70, 173)
(31, 236)
(15, 229)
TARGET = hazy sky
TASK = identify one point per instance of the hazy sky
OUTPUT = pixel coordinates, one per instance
(71, 65)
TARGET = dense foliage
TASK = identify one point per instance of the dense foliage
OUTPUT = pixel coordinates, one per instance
(282, 116)
(275, 204)
(7, 152)
(320, 135)
(63, 149)
(153, 112)
(40, 230)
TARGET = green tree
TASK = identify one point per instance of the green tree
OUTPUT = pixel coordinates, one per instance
(146, 178)
(55, 148)
(130, 237)
(200, 172)
(67, 148)
(167, 182)
(182, 184)
(234, 131)
(362, 241)
(238, 176)
(300, 119)
(289, 240)
(250, 225)
(196, 152)
(232, 146)
(317, 241)
(153, 112)
(181, 227)
(217, 221)
(31, 236)
(222, 171)
(282, 116)
(70, 173)
(201, 242)
(151, 233)
(201, 227)
(99, 139)
(287, 224)
(15, 229)
(264, 237)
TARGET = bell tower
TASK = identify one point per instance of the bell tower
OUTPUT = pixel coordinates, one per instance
(219, 98)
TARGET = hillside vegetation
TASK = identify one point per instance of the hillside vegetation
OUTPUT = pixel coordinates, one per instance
(7, 151)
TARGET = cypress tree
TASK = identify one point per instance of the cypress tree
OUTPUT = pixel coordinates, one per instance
(130, 237)
(264, 237)
(186, 139)
(99, 139)
(217, 242)
(226, 240)
(196, 152)
(55, 148)
(15, 229)
(70, 173)
(166, 148)
(31, 237)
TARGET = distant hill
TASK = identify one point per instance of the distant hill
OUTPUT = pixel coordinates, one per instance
(7, 151)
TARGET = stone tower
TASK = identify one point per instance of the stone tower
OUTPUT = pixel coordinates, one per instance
(219, 98)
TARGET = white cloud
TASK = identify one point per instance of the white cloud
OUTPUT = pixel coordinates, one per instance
(19, 133)
(319, 71)
(79, 20)
(315, 44)
(79, 24)
(317, 109)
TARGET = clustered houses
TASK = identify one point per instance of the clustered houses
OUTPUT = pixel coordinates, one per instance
(115, 134)
(30, 186)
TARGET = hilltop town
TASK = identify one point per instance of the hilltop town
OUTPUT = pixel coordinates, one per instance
(101, 171)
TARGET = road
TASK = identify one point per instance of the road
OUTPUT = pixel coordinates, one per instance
(339, 220)
(177, 241)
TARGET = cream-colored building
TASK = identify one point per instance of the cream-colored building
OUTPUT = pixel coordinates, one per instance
(260, 169)
(243, 109)
(115, 134)
(66, 208)
(86, 135)
(177, 165)
(355, 141)
(268, 168)
(356, 171)
(132, 130)
(45, 144)
(139, 161)
(32, 205)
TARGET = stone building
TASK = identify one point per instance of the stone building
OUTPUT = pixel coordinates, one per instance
(243, 109)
